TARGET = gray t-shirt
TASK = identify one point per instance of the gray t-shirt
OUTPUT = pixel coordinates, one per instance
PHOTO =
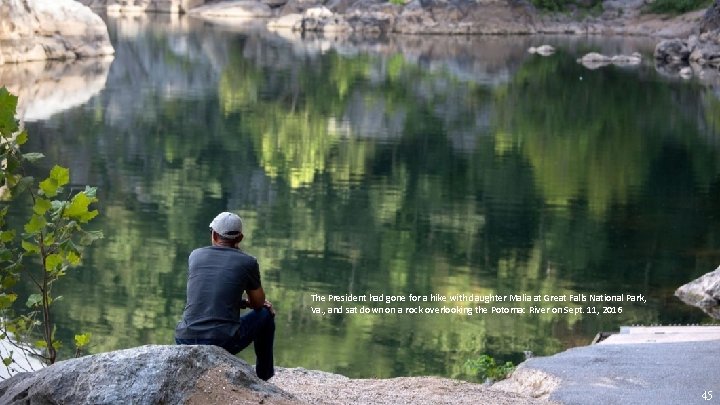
(217, 278)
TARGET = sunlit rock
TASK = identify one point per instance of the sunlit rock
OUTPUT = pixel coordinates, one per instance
(147, 375)
(543, 50)
(233, 9)
(33, 30)
(703, 292)
(115, 7)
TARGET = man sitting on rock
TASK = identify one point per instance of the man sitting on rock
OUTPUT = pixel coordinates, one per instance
(217, 277)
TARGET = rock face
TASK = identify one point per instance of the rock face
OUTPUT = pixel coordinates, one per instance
(711, 20)
(703, 293)
(135, 6)
(145, 375)
(50, 29)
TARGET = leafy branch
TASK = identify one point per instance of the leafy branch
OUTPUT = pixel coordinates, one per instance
(51, 244)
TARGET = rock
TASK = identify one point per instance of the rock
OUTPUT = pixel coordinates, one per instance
(595, 57)
(286, 21)
(633, 59)
(703, 292)
(318, 12)
(686, 72)
(145, 375)
(141, 6)
(50, 29)
(275, 3)
(594, 60)
(299, 6)
(458, 17)
(711, 19)
(233, 9)
(543, 50)
(672, 51)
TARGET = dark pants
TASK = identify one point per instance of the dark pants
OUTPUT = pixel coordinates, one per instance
(258, 327)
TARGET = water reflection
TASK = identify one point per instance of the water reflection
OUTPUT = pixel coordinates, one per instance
(46, 88)
(405, 165)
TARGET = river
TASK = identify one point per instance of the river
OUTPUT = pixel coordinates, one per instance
(426, 166)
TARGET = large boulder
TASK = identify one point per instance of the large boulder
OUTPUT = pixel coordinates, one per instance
(145, 375)
(703, 293)
(50, 29)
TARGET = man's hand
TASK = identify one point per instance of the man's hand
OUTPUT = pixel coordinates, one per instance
(267, 304)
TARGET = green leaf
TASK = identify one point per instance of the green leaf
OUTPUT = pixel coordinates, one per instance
(30, 247)
(6, 300)
(78, 208)
(41, 206)
(90, 191)
(52, 261)
(21, 138)
(33, 156)
(35, 225)
(59, 176)
(90, 236)
(8, 104)
(82, 340)
(7, 236)
(73, 258)
(41, 344)
(33, 300)
(8, 281)
(7, 361)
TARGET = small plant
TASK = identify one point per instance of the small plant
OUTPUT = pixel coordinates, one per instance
(487, 369)
(676, 6)
(51, 244)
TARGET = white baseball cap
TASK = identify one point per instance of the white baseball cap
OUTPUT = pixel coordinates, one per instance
(227, 225)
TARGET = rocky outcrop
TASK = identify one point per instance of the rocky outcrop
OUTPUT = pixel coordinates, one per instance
(50, 29)
(695, 54)
(140, 6)
(703, 293)
(711, 20)
(145, 375)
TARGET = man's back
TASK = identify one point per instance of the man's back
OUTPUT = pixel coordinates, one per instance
(217, 277)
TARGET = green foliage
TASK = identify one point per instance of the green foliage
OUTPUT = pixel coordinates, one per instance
(676, 6)
(51, 243)
(486, 368)
(397, 2)
(81, 343)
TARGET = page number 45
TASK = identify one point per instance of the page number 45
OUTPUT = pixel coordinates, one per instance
(707, 395)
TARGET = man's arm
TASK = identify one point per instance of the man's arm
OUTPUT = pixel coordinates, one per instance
(256, 298)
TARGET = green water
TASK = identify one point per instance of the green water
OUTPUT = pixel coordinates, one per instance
(412, 165)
